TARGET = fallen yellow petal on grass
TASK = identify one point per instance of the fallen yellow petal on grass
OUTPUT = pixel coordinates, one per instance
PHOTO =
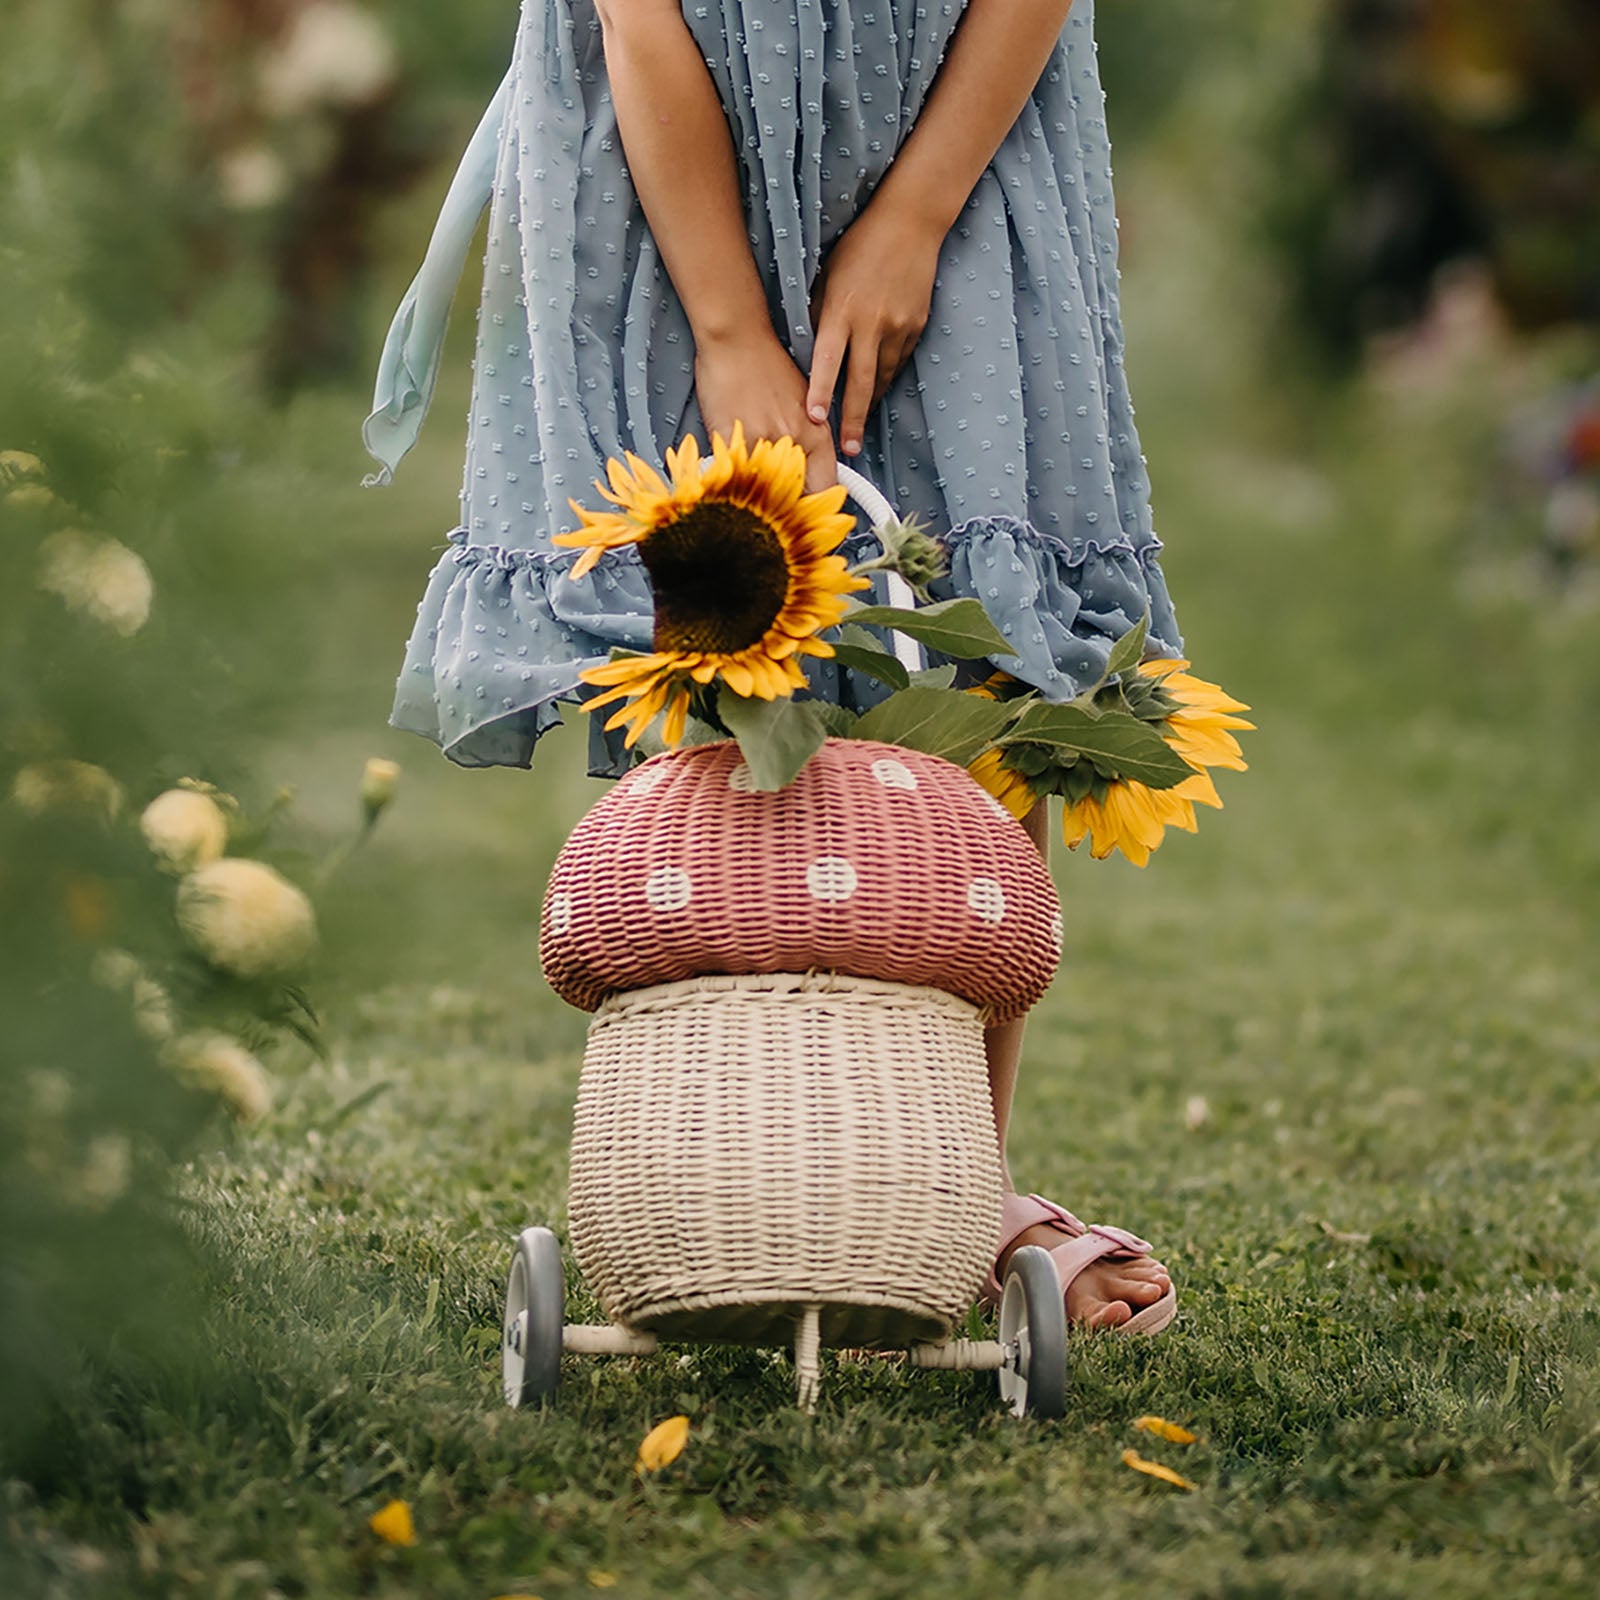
(602, 1580)
(1154, 1469)
(662, 1445)
(1163, 1429)
(393, 1523)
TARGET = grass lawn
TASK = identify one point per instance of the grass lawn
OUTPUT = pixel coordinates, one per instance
(1376, 968)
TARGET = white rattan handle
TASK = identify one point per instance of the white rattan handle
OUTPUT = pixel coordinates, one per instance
(875, 504)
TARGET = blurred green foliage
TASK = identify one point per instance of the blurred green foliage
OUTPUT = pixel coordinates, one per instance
(1373, 963)
(147, 634)
(1426, 132)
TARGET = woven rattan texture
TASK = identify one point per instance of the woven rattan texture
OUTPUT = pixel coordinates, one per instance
(746, 1146)
(876, 861)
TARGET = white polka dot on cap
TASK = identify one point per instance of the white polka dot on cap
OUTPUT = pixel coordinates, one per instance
(893, 774)
(995, 806)
(987, 899)
(668, 889)
(1057, 932)
(742, 780)
(831, 878)
(644, 781)
(560, 913)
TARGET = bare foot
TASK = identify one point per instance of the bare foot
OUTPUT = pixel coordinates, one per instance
(1106, 1293)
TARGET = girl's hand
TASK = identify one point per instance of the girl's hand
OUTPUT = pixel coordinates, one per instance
(751, 379)
(870, 306)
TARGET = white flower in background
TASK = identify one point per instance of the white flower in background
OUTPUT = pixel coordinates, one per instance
(1196, 1113)
(15, 465)
(184, 829)
(216, 1062)
(115, 969)
(121, 972)
(35, 495)
(245, 918)
(107, 1166)
(230, 806)
(378, 780)
(50, 1092)
(251, 177)
(101, 578)
(153, 1015)
(67, 786)
(335, 54)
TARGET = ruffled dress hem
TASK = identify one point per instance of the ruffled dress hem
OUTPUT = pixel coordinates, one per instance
(502, 635)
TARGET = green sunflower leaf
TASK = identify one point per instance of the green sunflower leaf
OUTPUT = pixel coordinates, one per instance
(1131, 748)
(959, 628)
(1128, 651)
(836, 720)
(936, 677)
(776, 737)
(696, 731)
(875, 663)
(936, 721)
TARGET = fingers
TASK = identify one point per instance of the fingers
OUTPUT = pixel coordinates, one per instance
(892, 356)
(822, 467)
(858, 391)
(827, 356)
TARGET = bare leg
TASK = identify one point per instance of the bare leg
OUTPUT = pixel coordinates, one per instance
(1002, 1044)
(1107, 1293)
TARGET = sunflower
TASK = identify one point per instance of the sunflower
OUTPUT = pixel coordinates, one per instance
(1004, 783)
(743, 567)
(1133, 817)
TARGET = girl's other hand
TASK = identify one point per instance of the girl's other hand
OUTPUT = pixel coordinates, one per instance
(751, 379)
(869, 309)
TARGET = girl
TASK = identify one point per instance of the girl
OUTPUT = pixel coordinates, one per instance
(883, 228)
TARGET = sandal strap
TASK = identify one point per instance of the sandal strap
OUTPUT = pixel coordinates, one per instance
(1072, 1257)
(1058, 1217)
(1019, 1212)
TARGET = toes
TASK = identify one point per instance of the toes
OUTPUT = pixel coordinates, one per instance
(1136, 1291)
(1111, 1315)
(1144, 1271)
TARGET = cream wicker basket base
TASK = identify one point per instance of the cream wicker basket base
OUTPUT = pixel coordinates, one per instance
(786, 1158)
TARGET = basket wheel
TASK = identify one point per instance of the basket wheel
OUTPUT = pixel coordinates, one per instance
(1033, 1328)
(530, 1341)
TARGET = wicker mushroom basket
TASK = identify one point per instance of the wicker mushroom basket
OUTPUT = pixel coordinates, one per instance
(783, 1128)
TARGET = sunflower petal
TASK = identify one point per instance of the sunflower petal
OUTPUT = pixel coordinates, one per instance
(1154, 1469)
(1159, 667)
(1162, 1429)
(738, 677)
(662, 1445)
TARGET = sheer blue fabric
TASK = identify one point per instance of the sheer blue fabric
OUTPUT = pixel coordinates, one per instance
(1010, 431)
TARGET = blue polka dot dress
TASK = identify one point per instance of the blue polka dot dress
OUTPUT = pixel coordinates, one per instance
(1009, 432)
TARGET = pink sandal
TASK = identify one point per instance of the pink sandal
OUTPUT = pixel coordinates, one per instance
(1085, 1243)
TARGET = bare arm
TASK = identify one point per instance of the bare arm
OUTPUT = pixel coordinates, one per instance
(681, 158)
(878, 280)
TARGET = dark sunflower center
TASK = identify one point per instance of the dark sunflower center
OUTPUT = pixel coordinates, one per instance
(719, 579)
